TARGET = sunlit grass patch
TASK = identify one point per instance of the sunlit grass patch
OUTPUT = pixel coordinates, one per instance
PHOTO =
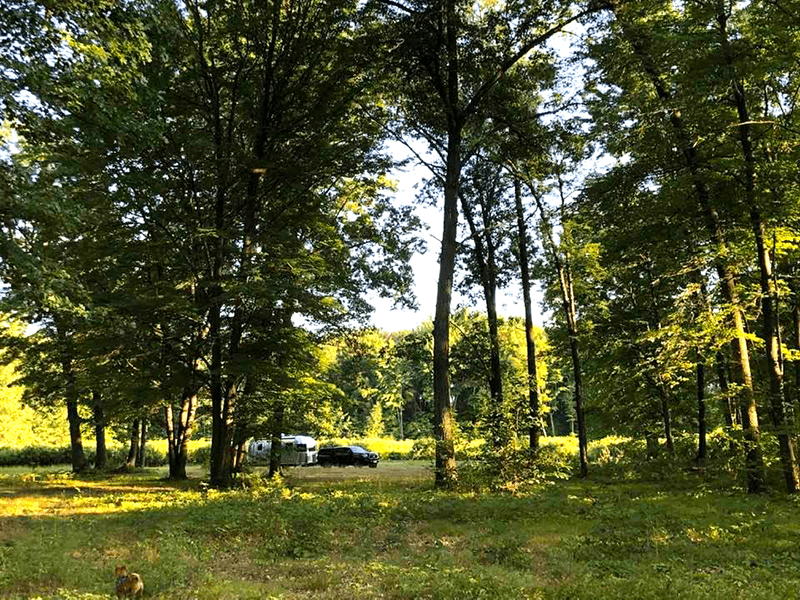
(386, 533)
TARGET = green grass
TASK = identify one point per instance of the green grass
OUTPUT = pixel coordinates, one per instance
(343, 533)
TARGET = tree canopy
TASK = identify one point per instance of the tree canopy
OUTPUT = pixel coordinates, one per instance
(197, 202)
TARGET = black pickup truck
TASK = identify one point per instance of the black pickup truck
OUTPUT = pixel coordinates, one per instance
(345, 456)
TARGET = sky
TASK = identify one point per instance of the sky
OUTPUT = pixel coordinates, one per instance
(426, 267)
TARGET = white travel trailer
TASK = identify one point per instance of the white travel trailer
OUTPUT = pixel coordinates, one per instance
(296, 450)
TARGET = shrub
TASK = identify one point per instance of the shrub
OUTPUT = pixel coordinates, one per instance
(40, 456)
(388, 448)
(200, 452)
(424, 448)
(513, 468)
(37, 456)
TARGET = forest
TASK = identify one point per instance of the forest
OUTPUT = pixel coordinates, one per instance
(198, 201)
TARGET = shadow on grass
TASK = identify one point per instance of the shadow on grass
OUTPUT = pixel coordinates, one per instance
(388, 534)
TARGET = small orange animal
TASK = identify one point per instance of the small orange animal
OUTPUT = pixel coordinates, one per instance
(127, 584)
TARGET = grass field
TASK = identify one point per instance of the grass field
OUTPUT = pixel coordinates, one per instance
(385, 533)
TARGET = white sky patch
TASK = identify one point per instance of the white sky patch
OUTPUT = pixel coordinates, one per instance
(426, 266)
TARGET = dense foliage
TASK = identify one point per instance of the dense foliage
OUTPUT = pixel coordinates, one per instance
(196, 202)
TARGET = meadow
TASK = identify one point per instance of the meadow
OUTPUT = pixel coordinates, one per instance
(342, 533)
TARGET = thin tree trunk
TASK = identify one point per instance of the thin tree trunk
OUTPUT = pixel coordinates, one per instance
(169, 426)
(133, 448)
(238, 455)
(651, 443)
(141, 456)
(178, 433)
(276, 445)
(186, 429)
(725, 404)
(530, 344)
(484, 256)
(655, 324)
(666, 416)
(76, 443)
(100, 453)
(769, 314)
(564, 271)
(701, 412)
(400, 421)
(78, 457)
(796, 328)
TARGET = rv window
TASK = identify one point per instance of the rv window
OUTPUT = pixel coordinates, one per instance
(260, 447)
(301, 447)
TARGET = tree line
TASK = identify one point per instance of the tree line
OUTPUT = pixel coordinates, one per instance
(187, 185)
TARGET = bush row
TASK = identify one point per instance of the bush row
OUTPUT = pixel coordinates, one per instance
(200, 451)
(420, 449)
(612, 457)
(41, 456)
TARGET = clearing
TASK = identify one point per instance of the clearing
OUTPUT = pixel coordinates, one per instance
(344, 533)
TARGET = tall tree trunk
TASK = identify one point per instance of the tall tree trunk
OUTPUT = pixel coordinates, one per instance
(666, 417)
(141, 455)
(223, 137)
(276, 446)
(769, 314)
(725, 401)
(484, 256)
(701, 412)
(533, 376)
(77, 455)
(169, 427)
(564, 272)
(225, 460)
(220, 468)
(796, 329)
(663, 392)
(220, 477)
(752, 435)
(444, 419)
(186, 429)
(133, 448)
(179, 432)
(100, 453)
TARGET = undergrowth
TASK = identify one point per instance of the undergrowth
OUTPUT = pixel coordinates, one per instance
(386, 533)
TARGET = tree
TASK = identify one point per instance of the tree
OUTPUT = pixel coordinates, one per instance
(485, 191)
(673, 130)
(522, 245)
(449, 56)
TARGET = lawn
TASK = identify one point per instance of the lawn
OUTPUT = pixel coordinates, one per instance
(344, 533)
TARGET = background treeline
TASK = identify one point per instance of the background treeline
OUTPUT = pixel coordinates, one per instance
(196, 200)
